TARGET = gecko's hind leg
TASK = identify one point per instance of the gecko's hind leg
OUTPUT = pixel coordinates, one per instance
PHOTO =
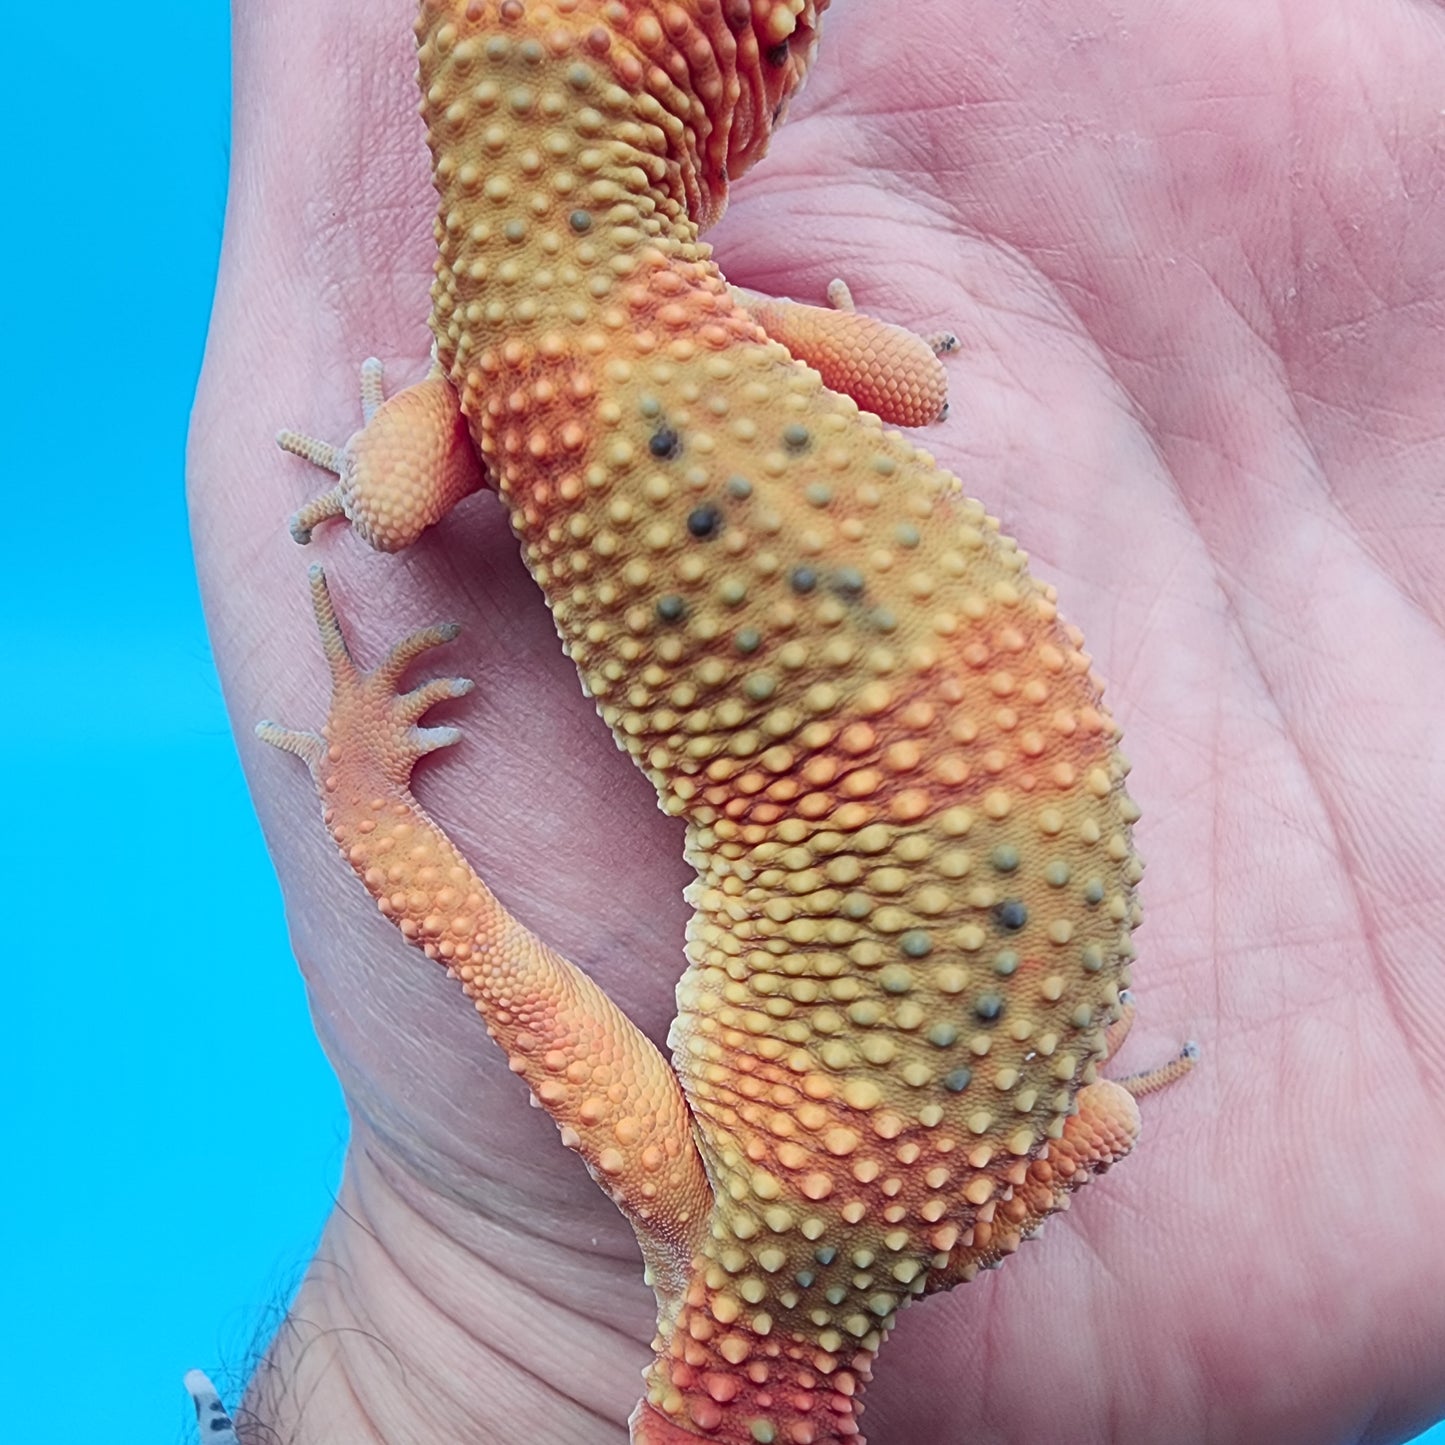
(1103, 1128)
(410, 463)
(612, 1095)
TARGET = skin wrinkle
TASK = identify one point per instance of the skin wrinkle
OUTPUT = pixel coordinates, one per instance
(1419, 596)
(553, 1294)
(1338, 833)
(537, 1230)
(491, 1343)
(919, 184)
(1417, 601)
(533, 1226)
(1341, 835)
(325, 1335)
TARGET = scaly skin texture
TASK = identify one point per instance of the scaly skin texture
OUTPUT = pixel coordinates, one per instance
(904, 798)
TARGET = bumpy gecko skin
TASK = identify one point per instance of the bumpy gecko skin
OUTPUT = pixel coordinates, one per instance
(904, 799)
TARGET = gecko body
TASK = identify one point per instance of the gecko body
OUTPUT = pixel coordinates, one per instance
(903, 796)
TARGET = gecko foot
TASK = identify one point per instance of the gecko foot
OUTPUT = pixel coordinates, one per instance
(888, 370)
(212, 1419)
(410, 463)
(371, 723)
(840, 298)
(940, 343)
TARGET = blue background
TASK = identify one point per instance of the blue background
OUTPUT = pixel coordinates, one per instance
(174, 1133)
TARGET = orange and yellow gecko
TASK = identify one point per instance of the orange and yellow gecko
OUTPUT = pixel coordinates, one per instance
(904, 798)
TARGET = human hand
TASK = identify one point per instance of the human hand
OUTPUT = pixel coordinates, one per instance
(1197, 263)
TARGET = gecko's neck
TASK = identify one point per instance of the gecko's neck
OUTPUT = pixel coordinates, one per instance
(567, 228)
(548, 131)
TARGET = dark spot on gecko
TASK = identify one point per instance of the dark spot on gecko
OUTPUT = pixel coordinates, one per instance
(848, 582)
(988, 1007)
(957, 1080)
(777, 55)
(804, 1278)
(748, 639)
(221, 1422)
(825, 1254)
(796, 437)
(704, 521)
(1005, 858)
(1094, 891)
(671, 608)
(664, 443)
(740, 487)
(803, 579)
(580, 221)
(1011, 914)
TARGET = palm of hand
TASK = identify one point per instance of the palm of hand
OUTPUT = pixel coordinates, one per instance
(1200, 295)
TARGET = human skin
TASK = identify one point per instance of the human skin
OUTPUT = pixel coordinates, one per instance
(1197, 260)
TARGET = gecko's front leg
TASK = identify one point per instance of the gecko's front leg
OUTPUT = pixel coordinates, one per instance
(409, 464)
(888, 370)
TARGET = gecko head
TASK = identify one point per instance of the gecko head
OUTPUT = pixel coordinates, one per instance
(777, 40)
